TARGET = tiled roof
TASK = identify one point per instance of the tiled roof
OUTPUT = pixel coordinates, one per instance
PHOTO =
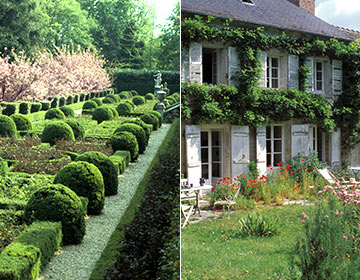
(353, 33)
(276, 13)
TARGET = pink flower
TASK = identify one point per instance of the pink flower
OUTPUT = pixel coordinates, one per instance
(311, 187)
(304, 216)
(345, 237)
(303, 221)
(336, 213)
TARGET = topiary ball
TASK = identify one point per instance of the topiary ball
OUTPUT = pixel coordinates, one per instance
(158, 115)
(57, 131)
(139, 133)
(123, 95)
(69, 100)
(7, 127)
(145, 126)
(150, 119)
(35, 107)
(77, 128)
(115, 97)
(62, 101)
(89, 105)
(149, 96)
(106, 167)
(109, 100)
(22, 122)
(130, 103)
(68, 112)
(113, 110)
(54, 113)
(97, 101)
(134, 92)
(125, 141)
(58, 203)
(102, 113)
(138, 100)
(85, 179)
(124, 109)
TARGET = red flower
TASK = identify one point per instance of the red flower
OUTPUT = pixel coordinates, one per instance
(302, 159)
(303, 166)
(279, 163)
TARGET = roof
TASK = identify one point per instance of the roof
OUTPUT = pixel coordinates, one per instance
(275, 13)
(353, 33)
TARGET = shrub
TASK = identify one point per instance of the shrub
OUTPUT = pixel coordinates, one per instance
(158, 115)
(7, 127)
(147, 128)
(106, 167)
(82, 97)
(58, 203)
(149, 96)
(45, 105)
(257, 225)
(54, 113)
(113, 110)
(138, 100)
(130, 103)
(54, 102)
(150, 119)
(70, 100)
(97, 101)
(10, 109)
(124, 95)
(68, 112)
(101, 114)
(77, 128)
(171, 100)
(86, 180)
(125, 141)
(24, 108)
(62, 101)
(93, 94)
(22, 122)
(115, 97)
(90, 105)
(76, 98)
(57, 131)
(139, 133)
(35, 107)
(176, 95)
(3, 167)
(83, 146)
(109, 100)
(134, 92)
(124, 109)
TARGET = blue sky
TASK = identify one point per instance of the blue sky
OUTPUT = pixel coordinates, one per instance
(344, 13)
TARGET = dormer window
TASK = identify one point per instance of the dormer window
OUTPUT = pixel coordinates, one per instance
(248, 2)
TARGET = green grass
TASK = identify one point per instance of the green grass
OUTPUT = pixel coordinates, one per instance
(148, 106)
(211, 250)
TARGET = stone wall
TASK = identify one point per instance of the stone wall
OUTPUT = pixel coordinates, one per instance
(307, 5)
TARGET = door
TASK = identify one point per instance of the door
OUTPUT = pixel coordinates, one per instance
(211, 155)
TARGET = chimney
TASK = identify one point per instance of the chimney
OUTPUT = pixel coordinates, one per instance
(307, 5)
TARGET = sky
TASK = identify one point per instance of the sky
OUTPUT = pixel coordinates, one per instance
(344, 13)
(163, 10)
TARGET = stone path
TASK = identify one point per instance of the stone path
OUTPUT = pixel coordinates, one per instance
(75, 262)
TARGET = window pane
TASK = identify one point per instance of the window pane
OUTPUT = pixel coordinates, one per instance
(274, 62)
(268, 146)
(274, 83)
(216, 170)
(277, 146)
(204, 155)
(215, 137)
(277, 159)
(268, 132)
(274, 73)
(216, 154)
(318, 66)
(205, 171)
(268, 160)
(268, 62)
(277, 131)
(319, 76)
(318, 85)
(204, 139)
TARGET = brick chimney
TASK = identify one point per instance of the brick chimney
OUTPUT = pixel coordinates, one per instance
(307, 5)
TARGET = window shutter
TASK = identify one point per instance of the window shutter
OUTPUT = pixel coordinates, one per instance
(195, 61)
(234, 65)
(240, 152)
(293, 74)
(262, 81)
(336, 148)
(300, 140)
(261, 149)
(185, 66)
(309, 61)
(337, 76)
(193, 153)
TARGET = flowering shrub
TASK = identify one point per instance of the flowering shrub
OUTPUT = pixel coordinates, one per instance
(224, 190)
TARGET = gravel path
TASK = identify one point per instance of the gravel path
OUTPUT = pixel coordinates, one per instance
(75, 262)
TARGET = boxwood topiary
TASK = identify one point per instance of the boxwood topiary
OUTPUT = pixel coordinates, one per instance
(115, 97)
(176, 95)
(54, 113)
(113, 110)
(76, 98)
(149, 96)
(90, 105)
(77, 128)
(124, 109)
(3, 167)
(10, 109)
(54, 102)
(123, 95)
(24, 108)
(130, 103)
(150, 119)
(35, 107)
(171, 100)
(125, 141)
(82, 97)
(69, 100)
(7, 127)
(62, 101)
(58, 203)
(134, 92)
(97, 101)
(108, 100)
(86, 180)
(138, 100)
(22, 122)
(139, 133)
(158, 115)
(45, 105)
(101, 114)
(106, 167)
(68, 112)
(56, 131)
(145, 126)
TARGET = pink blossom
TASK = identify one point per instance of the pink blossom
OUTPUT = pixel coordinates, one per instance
(311, 187)
(304, 216)
(345, 237)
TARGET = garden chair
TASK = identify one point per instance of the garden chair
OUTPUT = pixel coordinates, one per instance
(228, 202)
(186, 211)
(331, 179)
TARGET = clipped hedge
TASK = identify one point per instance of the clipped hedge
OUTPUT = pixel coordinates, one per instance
(124, 108)
(24, 108)
(3, 168)
(10, 109)
(124, 94)
(158, 115)
(138, 131)
(138, 100)
(77, 128)
(54, 113)
(57, 131)
(22, 122)
(45, 105)
(102, 113)
(69, 100)
(147, 128)
(62, 101)
(149, 96)
(108, 100)
(68, 112)
(54, 102)
(35, 107)
(113, 110)
(7, 127)
(125, 141)
(97, 101)
(89, 105)
(149, 118)
(115, 97)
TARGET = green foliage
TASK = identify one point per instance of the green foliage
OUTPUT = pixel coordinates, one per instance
(54, 102)
(149, 118)
(253, 170)
(257, 225)
(7, 127)
(138, 131)
(54, 113)
(106, 167)
(124, 154)
(300, 166)
(56, 131)
(102, 113)
(10, 109)
(77, 128)
(124, 108)
(45, 105)
(24, 108)
(62, 101)
(35, 107)
(158, 115)
(125, 141)
(22, 122)
(149, 96)
(124, 94)
(138, 100)
(97, 100)
(90, 105)
(3, 167)
(108, 100)
(147, 128)
(113, 110)
(68, 112)
(86, 180)
(69, 100)
(58, 203)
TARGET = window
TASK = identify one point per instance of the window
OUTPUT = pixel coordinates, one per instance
(209, 66)
(211, 155)
(248, 2)
(272, 72)
(274, 145)
(319, 75)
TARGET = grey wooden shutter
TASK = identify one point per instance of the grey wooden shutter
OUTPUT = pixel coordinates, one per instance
(293, 74)
(185, 66)
(262, 81)
(234, 64)
(300, 140)
(193, 153)
(195, 62)
(240, 150)
(336, 148)
(261, 149)
(309, 61)
(337, 76)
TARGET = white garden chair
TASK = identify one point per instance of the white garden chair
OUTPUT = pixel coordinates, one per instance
(228, 202)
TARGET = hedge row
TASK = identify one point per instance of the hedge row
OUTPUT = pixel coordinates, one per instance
(121, 160)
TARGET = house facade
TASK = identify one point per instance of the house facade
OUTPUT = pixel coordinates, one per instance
(216, 150)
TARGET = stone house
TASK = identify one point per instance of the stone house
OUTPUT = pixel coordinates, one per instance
(215, 150)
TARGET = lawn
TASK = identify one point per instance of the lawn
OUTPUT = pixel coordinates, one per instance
(211, 249)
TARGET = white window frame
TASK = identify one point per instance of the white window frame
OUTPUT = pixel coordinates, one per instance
(272, 140)
(269, 69)
(322, 75)
(212, 179)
